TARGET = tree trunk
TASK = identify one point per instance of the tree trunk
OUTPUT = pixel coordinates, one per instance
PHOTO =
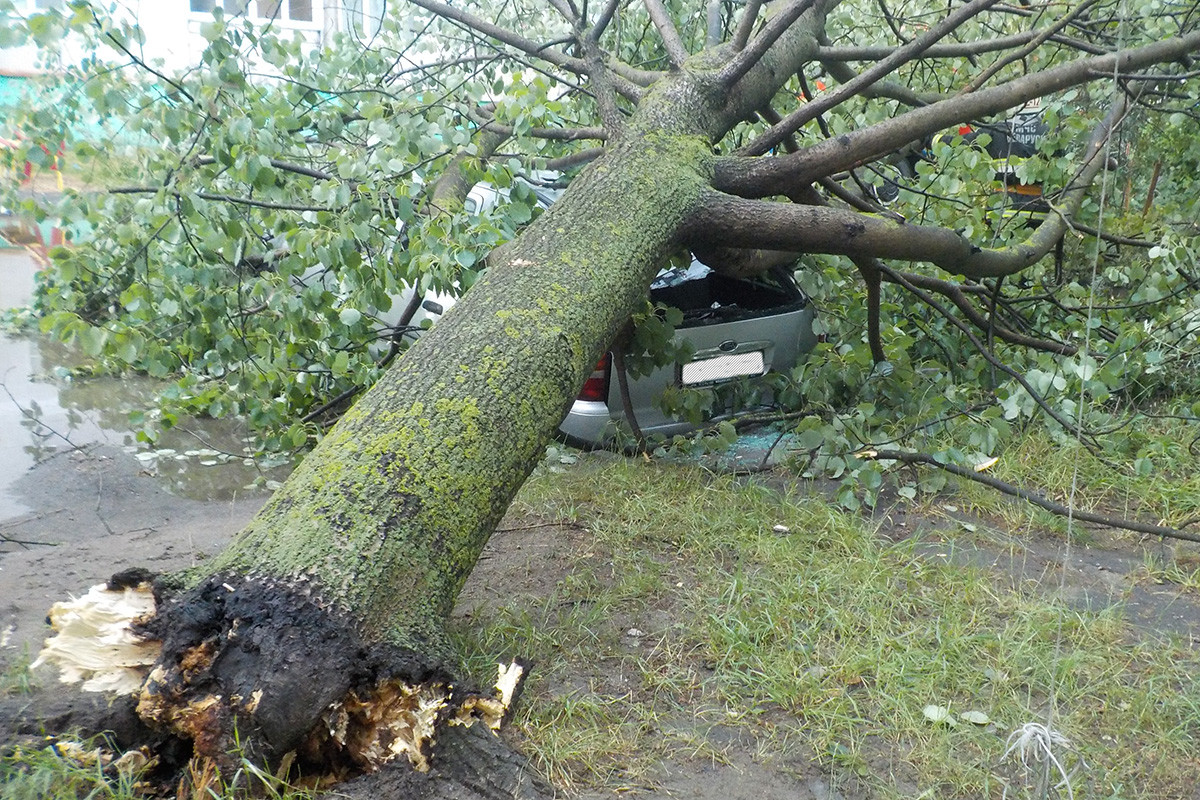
(341, 586)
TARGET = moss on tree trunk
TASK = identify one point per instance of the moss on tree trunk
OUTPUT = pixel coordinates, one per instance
(391, 510)
(343, 582)
(335, 597)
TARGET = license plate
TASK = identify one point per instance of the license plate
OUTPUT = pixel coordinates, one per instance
(722, 368)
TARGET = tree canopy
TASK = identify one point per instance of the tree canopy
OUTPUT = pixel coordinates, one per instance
(291, 194)
(278, 198)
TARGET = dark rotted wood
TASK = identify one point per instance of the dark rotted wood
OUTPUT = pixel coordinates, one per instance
(279, 653)
(470, 764)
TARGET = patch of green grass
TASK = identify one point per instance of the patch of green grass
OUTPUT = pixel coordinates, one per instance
(16, 677)
(68, 770)
(823, 642)
(47, 773)
(1153, 477)
(1182, 572)
(712, 619)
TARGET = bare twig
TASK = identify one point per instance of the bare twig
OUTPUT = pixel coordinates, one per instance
(1026, 495)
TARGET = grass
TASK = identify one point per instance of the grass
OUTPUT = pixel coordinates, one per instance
(16, 678)
(83, 771)
(1154, 478)
(823, 644)
(706, 619)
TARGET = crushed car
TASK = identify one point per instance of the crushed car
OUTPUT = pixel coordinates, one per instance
(732, 329)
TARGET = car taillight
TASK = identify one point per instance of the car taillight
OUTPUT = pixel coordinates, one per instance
(595, 388)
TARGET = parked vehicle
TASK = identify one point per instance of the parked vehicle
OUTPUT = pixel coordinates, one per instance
(736, 328)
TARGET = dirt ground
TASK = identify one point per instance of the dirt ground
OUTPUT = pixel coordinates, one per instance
(97, 511)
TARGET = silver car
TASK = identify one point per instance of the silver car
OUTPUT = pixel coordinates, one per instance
(737, 328)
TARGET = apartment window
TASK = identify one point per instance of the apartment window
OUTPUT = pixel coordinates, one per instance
(300, 10)
(363, 17)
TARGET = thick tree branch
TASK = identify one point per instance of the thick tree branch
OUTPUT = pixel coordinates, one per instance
(676, 50)
(892, 90)
(776, 26)
(762, 177)
(638, 77)
(604, 90)
(740, 222)
(712, 33)
(741, 263)
(949, 49)
(746, 24)
(869, 269)
(452, 187)
(810, 229)
(568, 13)
(602, 21)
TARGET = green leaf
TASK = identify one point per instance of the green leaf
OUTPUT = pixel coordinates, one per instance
(939, 715)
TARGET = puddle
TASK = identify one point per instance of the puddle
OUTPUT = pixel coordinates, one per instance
(44, 414)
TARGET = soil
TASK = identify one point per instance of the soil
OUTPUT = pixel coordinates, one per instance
(96, 511)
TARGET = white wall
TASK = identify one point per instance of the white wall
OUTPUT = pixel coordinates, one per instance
(172, 28)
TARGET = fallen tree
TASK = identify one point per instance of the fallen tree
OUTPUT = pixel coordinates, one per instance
(318, 637)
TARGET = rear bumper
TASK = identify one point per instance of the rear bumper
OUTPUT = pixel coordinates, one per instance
(591, 423)
(588, 421)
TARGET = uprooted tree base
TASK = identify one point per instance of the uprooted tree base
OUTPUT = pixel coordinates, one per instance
(260, 669)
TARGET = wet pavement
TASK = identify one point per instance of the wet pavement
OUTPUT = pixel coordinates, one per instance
(45, 413)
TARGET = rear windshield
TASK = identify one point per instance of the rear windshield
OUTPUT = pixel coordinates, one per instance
(706, 297)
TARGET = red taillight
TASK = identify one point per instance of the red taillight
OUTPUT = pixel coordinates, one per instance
(595, 388)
